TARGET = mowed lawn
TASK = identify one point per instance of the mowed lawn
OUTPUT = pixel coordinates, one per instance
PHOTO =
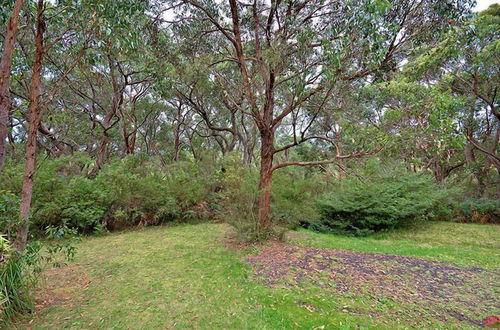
(188, 276)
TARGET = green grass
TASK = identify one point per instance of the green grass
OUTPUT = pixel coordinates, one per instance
(184, 277)
(474, 245)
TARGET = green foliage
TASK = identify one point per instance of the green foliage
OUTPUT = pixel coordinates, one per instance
(295, 191)
(144, 193)
(18, 275)
(480, 210)
(132, 191)
(238, 201)
(383, 199)
(84, 204)
(9, 213)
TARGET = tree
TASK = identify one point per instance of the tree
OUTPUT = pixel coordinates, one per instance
(5, 68)
(37, 107)
(464, 66)
(292, 56)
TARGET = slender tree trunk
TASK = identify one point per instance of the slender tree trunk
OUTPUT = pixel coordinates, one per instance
(34, 118)
(177, 143)
(133, 140)
(101, 150)
(470, 157)
(266, 177)
(247, 154)
(438, 170)
(5, 68)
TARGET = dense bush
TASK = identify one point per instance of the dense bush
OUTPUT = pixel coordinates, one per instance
(130, 191)
(386, 199)
(141, 190)
(295, 191)
(480, 210)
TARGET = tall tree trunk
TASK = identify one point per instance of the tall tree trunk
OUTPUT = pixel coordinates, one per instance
(5, 67)
(247, 154)
(34, 118)
(438, 170)
(132, 141)
(470, 157)
(177, 143)
(266, 177)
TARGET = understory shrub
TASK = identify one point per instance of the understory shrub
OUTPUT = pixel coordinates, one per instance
(481, 210)
(385, 200)
(238, 198)
(294, 193)
(130, 191)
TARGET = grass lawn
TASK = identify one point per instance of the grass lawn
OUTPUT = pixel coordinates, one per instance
(186, 277)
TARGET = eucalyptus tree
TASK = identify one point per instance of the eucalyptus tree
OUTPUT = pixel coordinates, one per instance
(107, 85)
(44, 87)
(291, 56)
(63, 32)
(465, 65)
(5, 69)
(422, 121)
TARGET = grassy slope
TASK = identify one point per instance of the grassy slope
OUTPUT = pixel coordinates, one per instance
(183, 277)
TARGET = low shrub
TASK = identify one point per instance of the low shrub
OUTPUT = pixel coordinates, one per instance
(131, 191)
(480, 210)
(294, 193)
(386, 200)
(237, 200)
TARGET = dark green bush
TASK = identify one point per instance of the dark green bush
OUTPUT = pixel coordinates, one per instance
(384, 201)
(9, 213)
(135, 190)
(295, 191)
(84, 204)
(481, 210)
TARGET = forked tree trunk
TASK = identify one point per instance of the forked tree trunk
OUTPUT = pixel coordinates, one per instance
(5, 68)
(102, 151)
(34, 118)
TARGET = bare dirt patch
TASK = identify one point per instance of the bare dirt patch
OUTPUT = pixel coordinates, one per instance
(428, 288)
(61, 285)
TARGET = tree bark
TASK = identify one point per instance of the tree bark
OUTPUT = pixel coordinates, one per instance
(34, 118)
(102, 149)
(5, 68)
(265, 180)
